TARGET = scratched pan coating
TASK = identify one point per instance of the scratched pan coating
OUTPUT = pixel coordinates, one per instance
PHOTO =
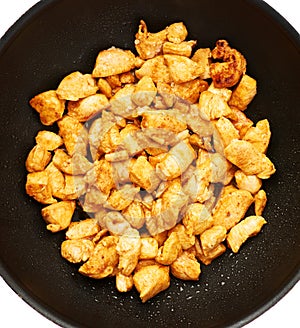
(55, 38)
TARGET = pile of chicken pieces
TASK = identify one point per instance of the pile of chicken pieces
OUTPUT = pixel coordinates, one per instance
(157, 149)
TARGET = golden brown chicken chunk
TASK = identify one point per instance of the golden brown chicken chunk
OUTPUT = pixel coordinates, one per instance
(170, 250)
(150, 280)
(104, 259)
(76, 85)
(128, 249)
(190, 90)
(203, 57)
(227, 131)
(182, 69)
(58, 216)
(122, 198)
(244, 93)
(74, 135)
(259, 135)
(231, 208)
(180, 49)
(124, 283)
(49, 106)
(84, 109)
(197, 219)
(149, 248)
(87, 228)
(186, 240)
(147, 44)
(213, 106)
(260, 201)
(56, 179)
(156, 68)
(213, 254)
(245, 156)
(186, 267)
(38, 187)
(227, 73)
(78, 250)
(212, 237)
(48, 140)
(247, 182)
(145, 92)
(134, 214)
(177, 32)
(248, 227)
(113, 61)
(37, 159)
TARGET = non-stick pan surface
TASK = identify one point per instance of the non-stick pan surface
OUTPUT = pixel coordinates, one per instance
(58, 37)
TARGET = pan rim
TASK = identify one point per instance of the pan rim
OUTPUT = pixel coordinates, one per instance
(37, 303)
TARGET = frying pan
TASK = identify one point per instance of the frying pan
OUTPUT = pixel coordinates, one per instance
(58, 37)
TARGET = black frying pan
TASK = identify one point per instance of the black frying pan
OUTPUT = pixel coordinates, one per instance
(58, 37)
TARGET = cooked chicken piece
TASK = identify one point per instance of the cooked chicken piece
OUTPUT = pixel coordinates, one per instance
(37, 159)
(245, 156)
(240, 121)
(100, 234)
(75, 165)
(225, 93)
(145, 92)
(259, 136)
(260, 201)
(98, 130)
(243, 93)
(156, 68)
(76, 251)
(85, 109)
(203, 57)
(154, 160)
(117, 156)
(56, 179)
(116, 223)
(76, 85)
(173, 196)
(213, 106)
(147, 44)
(197, 219)
(190, 90)
(110, 141)
(149, 248)
(74, 134)
(114, 81)
(113, 61)
(170, 250)
(165, 91)
(247, 182)
(176, 161)
(231, 208)
(38, 187)
(186, 267)
(212, 237)
(227, 73)
(48, 140)
(122, 104)
(248, 227)
(122, 198)
(74, 187)
(58, 216)
(186, 240)
(182, 69)
(127, 78)
(142, 173)
(160, 119)
(94, 200)
(150, 280)
(63, 161)
(176, 32)
(128, 249)
(49, 106)
(104, 176)
(121, 172)
(134, 214)
(124, 283)
(87, 228)
(181, 49)
(139, 62)
(161, 237)
(104, 87)
(104, 259)
(213, 254)
(100, 217)
(227, 131)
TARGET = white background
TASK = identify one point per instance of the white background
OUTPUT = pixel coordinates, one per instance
(14, 312)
